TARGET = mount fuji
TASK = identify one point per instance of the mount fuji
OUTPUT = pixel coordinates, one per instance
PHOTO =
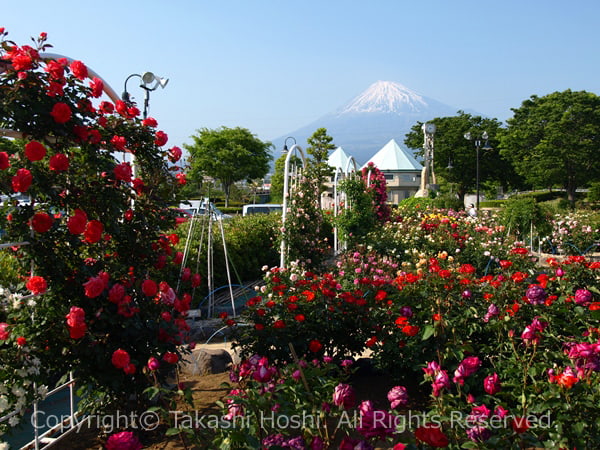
(385, 110)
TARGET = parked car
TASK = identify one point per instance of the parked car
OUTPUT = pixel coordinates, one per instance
(261, 208)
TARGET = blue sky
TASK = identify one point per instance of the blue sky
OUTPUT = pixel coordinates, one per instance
(274, 66)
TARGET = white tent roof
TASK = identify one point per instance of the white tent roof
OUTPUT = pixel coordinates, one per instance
(394, 158)
(339, 159)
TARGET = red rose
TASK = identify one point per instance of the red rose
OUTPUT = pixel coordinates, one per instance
(171, 357)
(123, 172)
(116, 293)
(97, 86)
(106, 107)
(520, 424)
(161, 138)
(94, 287)
(120, 359)
(61, 112)
(21, 341)
(119, 142)
(150, 122)
(175, 154)
(181, 178)
(76, 322)
(22, 180)
(34, 151)
(279, 324)
(121, 107)
(432, 435)
(93, 231)
(130, 369)
(55, 69)
(4, 332)
(41, 222)
(37, 285)
(196, 279)
(149, 288)
(76, 223)
(4, 161)
(315, 346)
(79, 70)
(59, 162)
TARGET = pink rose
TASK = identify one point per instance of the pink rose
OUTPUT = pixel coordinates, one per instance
(124, 440)
(343, 396)
(397, 396)
(491, 384)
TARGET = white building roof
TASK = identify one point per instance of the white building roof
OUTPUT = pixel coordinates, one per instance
(339, 159)
(394, 158)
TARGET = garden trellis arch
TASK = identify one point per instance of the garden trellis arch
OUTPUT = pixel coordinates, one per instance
(287, 193)
(337, 198)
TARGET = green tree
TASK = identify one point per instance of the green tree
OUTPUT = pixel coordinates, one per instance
(319, 146)
(228, 155)
(455, 158)
(554, 140)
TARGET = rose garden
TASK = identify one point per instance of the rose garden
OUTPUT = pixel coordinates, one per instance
(490, 343)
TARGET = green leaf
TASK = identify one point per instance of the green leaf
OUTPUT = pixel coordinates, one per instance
(428, 332)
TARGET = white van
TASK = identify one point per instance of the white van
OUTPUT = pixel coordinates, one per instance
(261, 208)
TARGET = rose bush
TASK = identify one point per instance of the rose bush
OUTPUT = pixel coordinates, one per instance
(509, 347)
(92, 235)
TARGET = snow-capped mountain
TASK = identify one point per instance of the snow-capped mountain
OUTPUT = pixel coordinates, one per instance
(385, 110)
(386, 97)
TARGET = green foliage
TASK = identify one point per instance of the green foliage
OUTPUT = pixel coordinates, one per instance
(520, 214)
(594, 193)
(553, 140)
(451, 146)
(229, 155)
(355, 222)
(319, 146)
(251, 244)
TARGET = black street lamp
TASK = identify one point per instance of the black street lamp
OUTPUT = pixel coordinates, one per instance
(285, 147)
(149, 82)
(486, 146)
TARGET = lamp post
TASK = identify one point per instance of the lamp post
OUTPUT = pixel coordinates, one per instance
(486, 146)
(149, 82)
(285, 147)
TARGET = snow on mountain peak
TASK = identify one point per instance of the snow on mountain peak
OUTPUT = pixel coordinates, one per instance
(386, 97)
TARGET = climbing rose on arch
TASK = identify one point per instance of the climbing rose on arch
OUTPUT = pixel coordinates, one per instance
(120, 358)
(37, 285)
(34, 151)
(59, 162)
(61, 113)
(41, 222)
(22, 180)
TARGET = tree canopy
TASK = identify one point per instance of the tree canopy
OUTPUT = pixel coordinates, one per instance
(228, 155)
(455, 157)
(554, 140)
(319, 146)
